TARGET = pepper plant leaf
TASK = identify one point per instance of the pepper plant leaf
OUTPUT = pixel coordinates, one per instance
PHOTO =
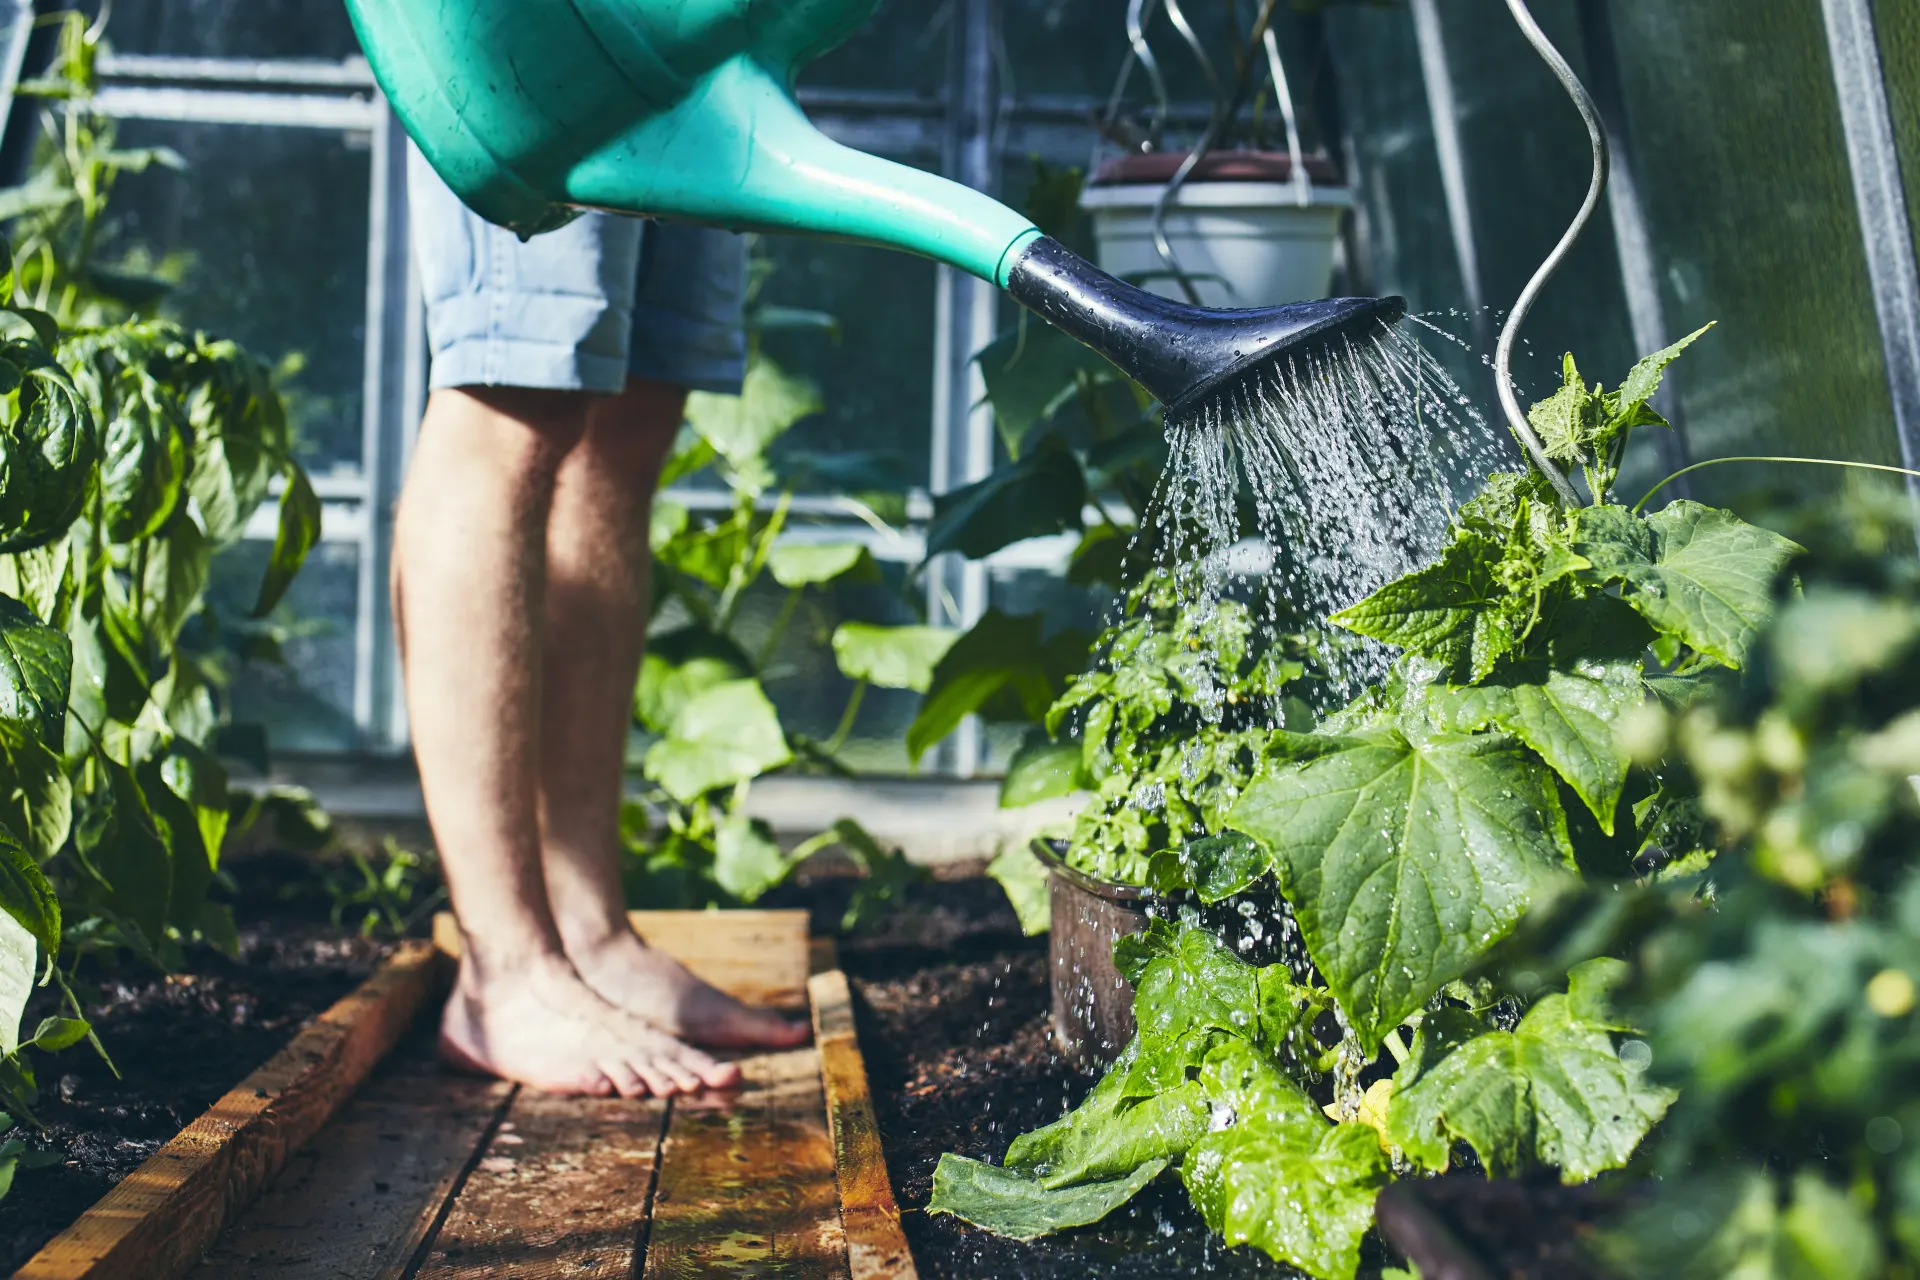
(49, 446)
(1405, 862)
(720, 736)
(27, 897)
(298, 531)
(17, 972)
(1696, 572)
(1553, 1091)
(1012, 1204)
(1301, 1191)
(36, 670)
(891, 657)
(130, 852)
(36, 796)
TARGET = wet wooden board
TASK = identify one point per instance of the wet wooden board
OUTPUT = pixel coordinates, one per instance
(363, 1197)
(876, 1246)
(560, 1193)
(760, 957)
(159, 1220)
(746, 1184)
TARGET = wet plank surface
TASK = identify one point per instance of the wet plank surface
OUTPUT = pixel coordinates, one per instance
(560, 1193)
(159, 1221)
(746, 1184)
(361, 1199)
(876, 1246)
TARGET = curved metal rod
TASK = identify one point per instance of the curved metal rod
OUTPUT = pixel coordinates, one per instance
(1139, 13)
(1510, 332)
(1178, 16)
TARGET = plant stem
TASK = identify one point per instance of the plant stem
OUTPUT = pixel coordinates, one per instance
(1816, 462)
(1396, 1046)
(780, 622)
(845, 727)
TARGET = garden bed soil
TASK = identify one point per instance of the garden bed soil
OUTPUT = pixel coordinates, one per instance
(180, 1042)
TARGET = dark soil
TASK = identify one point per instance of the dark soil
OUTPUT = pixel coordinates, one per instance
(952, 1006)
(180, 1042)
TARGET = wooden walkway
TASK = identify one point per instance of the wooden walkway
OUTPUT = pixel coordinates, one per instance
(426, 1174)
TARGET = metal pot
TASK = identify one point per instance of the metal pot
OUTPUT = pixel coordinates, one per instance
(1092, 1003)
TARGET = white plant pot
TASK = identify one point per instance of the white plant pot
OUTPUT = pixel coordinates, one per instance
(1246, 244)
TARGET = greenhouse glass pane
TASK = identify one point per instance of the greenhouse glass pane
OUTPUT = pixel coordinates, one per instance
(1898, 25)
(233, 29)
(876, 372)
(903, 48)
(306, 701)
(269, 226)
(1745, 176)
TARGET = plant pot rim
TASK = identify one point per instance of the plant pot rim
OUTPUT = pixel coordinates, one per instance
(1155, 168)
(1055, 861)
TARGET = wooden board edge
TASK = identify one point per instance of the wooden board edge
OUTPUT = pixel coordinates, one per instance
(876, 1244)
(157, 1222)
(446, 929)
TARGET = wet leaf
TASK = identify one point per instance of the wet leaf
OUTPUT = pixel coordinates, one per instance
(1697, 572)
(1041, 769)
(1455, 610)
(36, 666)
(1404, 862)
(1553, 1091)
(1111, 1135)
(1214, 867)
(1302, 1191)
(1016, 1206)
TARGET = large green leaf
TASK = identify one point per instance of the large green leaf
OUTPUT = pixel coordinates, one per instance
(891, 657)
(178, 560)
(680, 665)
(1696, 572)
(740, 428)
(131, 855)
(1196, 997)
(1003, 669)
(1042, 769)
(25, 895)
(1014, 1205)
(49, 445)
(145, 466)
(36, 667)
(36, 796)
(1110, 1135)
(1041, 494)
(230, 478)
(1029, 371)
(1299, 1191)
(1028, 886)
(1553, 1091)
(1568, 716)
(722, 735)
(298, 531)
(805, 564)
(1214, 867)
(1404, 862)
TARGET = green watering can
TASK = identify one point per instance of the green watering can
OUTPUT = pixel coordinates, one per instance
(533, 109)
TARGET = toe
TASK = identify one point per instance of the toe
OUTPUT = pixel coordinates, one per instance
(626, 1081)
(712, 1074)
(657, 1081)
(686, 1079)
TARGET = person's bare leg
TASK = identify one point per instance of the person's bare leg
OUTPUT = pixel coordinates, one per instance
(470, 551)
(597, 571)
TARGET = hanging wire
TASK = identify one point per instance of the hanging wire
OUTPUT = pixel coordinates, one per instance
(1224, 110)
(1510, 332)
(1139, 13)
(1296, 158)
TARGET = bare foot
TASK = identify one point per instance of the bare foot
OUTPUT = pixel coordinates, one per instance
(541, 1025)
(652, 984)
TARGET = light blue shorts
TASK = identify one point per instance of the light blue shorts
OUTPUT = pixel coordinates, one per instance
(580, 308)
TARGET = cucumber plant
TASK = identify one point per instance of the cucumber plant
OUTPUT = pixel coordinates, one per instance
(1408, 833)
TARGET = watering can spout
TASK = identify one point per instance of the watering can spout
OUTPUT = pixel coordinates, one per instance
(533, 109)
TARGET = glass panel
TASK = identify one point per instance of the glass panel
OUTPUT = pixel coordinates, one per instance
(903, 48)
(306, 703)
(233, 28)
(1744, 172)
(1898, 25)
(876, 374)
(270, 225)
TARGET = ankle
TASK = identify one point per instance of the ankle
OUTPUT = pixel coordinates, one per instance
(486, 965)
(590, 940)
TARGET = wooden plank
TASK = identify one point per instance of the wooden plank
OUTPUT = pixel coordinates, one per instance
(561, 1192)
(822, 956)
(362, 1197)
(160, 1219)
(876, 1246)
(746, 1185)
(756, 956)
